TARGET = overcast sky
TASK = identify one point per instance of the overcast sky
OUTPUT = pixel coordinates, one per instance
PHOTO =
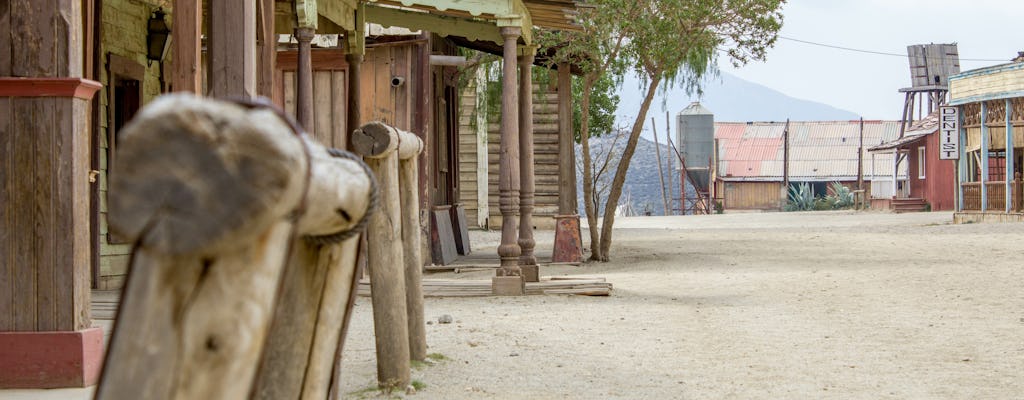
(867, 84)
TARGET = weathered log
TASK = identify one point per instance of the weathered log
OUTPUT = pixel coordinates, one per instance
(408, 187)
(382, 146)
(205, 190)
(214, 195)
(318, 283)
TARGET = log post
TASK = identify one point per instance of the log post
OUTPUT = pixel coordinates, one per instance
(206, 191)
(508, 279)
(408, 186)
(382, 147)
(243, 267)
(317, 289)
(527, 260)
(232, 48)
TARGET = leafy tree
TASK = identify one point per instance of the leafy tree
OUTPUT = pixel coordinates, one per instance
(666, 43)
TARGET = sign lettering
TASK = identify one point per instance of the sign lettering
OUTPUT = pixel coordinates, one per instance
(949, 133)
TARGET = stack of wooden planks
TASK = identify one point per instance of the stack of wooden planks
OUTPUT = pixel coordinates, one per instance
(585, 286)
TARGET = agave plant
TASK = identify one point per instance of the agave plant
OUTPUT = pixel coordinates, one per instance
(841, 196)
(801, 198)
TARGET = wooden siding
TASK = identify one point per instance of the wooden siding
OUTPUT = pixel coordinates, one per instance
(752, 195)
(545, 141)
(980, 85)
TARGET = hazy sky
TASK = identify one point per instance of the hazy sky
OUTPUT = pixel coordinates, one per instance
(867, 84)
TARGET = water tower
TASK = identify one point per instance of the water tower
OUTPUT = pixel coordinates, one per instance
(696, 136)
(930, 68)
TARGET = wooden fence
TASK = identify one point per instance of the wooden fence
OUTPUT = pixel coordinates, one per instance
(243, 269)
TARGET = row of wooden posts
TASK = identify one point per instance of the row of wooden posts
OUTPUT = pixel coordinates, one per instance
(244, 266)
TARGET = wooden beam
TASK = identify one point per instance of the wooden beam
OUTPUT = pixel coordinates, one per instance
(232, 48)
(340, 12)
(439, 24)
(186, 37)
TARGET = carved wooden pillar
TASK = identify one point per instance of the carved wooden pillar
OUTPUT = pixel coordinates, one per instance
(304, 75)
(527, 261)
(509, 276)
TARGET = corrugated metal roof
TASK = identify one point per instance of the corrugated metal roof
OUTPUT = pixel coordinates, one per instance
(818, 150)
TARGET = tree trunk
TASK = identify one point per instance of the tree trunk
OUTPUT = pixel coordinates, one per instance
(620, 172)
(588, 175)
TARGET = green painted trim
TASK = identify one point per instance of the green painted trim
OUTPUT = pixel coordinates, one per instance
(306, 13)
(340, 12)
(439, 24)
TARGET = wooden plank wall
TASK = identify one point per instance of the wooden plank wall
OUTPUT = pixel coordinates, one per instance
(468, 164)
(545, 139)
(44, 198)
(752, 195)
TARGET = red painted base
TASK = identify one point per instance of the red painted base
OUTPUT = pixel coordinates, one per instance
(568, 247)
(45, 360)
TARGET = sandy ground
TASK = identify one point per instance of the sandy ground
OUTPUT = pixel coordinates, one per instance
(836, 305)
(745, 306)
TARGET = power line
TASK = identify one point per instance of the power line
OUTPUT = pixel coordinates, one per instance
(877, 52)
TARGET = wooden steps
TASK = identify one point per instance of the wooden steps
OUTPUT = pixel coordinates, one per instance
(908, 205)
(584, 286)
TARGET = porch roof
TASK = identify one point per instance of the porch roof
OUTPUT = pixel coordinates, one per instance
(475, 20)
(916, 133)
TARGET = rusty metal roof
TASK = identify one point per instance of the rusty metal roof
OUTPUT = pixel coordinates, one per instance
(819, 150)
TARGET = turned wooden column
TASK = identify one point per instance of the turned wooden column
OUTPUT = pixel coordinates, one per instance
(508, 279)
(353, 119)
(527, 261)
(304, 75)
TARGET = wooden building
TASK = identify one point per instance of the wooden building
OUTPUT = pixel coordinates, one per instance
(930, 180)
(751, 159)
(990, 102)
(93, 63)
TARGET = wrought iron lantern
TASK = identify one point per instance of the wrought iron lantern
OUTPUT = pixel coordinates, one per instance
(157, 37)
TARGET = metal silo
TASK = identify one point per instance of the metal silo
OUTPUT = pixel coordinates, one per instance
(696, 134)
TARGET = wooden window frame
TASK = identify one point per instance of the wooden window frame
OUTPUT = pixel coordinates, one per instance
(922, 155)
(119, 68)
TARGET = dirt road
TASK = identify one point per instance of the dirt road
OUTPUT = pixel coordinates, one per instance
(835, 305)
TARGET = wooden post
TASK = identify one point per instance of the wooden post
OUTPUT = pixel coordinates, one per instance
(267, 46)
(508, 279)
(200, 292)
(188, 25)
(984, 156)
(785, 163)
(232, 48)
(527, 260)
(382, 147)
(661, 175)
(568, 247)
(44, 198)
(860, 157)
(408, 186)
(371, 139)
(566, 152)
(318, 284)
(355, 49)
(304, 76)
(671, 168)
(1009, 156)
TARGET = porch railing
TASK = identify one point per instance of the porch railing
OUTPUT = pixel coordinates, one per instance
(996, 196)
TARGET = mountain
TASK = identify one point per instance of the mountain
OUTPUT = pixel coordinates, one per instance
(732, 99)
(641, 186)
